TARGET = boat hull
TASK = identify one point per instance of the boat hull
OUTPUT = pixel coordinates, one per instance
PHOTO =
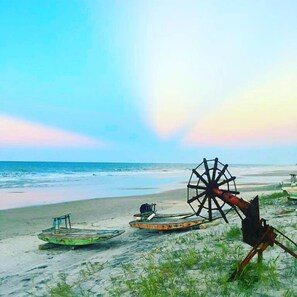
(77, 237)
(291, 191)
(167, 224)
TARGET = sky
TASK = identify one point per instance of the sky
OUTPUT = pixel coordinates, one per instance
(148, 81)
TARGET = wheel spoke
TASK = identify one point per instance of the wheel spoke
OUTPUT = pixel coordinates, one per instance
(201, 205)
(220, 209)
(215, 167)
(226, 181)
(222, 172)
(200, 177)
(196, 187)
(209, 209)
(196, 197)
(206, 169)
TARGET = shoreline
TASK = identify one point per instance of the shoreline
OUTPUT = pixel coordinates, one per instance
(41, 190)
(22, 221)
(16, 198)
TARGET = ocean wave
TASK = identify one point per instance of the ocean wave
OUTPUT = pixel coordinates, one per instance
(47, 174)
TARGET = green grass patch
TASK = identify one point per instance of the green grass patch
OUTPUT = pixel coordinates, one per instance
(234, 233)
(271, 199)
(90, 269)
(62, 288)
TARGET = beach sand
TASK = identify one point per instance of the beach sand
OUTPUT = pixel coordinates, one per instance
(25, 270)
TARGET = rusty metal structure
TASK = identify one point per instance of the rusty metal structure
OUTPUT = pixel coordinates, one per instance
(212, 189)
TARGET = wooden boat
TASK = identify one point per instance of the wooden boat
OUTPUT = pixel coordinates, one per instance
(168, 224)
(73, 236)
(142, 216)
(149, 219)
(291, 189)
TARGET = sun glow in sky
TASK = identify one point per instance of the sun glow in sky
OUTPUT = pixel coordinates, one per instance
(159, 81)
(263, 114)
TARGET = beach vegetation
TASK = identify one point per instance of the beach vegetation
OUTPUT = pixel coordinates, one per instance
(187, 270)
(90, 269)
(192, 272)
(271, 199)
(234, 233)
(62, 288)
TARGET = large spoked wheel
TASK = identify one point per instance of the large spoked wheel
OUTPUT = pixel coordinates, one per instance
(209, 175)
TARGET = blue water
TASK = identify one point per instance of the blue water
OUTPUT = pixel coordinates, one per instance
(49, 174)
(31, 183)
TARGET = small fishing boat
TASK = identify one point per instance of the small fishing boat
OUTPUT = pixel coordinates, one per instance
(292, 192)
(168, 224)
(66, 235)
(291, 189)
(149, 219)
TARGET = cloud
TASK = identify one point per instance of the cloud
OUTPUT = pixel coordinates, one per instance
(16, 132)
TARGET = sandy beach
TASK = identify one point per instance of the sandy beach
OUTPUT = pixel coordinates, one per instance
(25, 270)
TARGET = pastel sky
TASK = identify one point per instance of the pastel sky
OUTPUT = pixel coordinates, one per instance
(148, 81)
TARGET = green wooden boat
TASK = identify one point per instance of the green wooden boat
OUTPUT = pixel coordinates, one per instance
(291, 190)
(66, 235)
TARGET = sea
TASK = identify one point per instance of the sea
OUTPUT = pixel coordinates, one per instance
(25, 184)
